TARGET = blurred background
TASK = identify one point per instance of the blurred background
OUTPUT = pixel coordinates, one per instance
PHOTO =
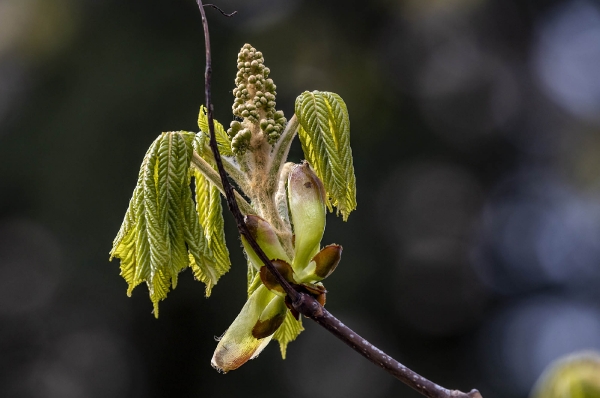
(473, 257)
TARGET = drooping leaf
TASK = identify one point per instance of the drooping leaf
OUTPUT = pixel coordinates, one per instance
(287, 332)
(131, 244)
(161, 233)
(223, 140)
(210, 215)
(325, 137)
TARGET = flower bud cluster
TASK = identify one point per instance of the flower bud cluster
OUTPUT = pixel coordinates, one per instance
(254, 100)
(240, 137)
(273, 127)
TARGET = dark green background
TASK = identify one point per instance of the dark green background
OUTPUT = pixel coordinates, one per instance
(472, 256)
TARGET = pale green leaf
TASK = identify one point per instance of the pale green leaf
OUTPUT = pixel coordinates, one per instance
(325, 137)
(210, 216)
(254, 280)
(161, 233)
(201, 258)
(223, 140)
(131, 244)
(287, 332)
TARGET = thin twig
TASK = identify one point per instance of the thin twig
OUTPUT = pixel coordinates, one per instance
(221, 11)
(305, 303)
(229, 195)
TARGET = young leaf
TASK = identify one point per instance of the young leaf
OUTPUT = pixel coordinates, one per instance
(210, 215)
(254, 281)
(287, 332)
(161, 233)
(223, 140)
(325, 136)
(131, 243)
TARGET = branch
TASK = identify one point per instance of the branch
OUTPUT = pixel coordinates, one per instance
(229, 194)
(313, 310)
(305, 303)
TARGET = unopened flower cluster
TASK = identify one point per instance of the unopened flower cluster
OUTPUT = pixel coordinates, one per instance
(254, 102)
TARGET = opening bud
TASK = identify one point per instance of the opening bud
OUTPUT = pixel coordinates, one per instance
(238, 344)
(269, 280)
(306, 199)
(270, 319)
(267, 239)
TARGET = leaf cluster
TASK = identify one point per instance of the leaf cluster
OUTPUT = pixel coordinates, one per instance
(175, 219)
(164, 230)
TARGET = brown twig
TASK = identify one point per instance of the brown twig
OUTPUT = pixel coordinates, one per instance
(304, 303)
(229, 194)
(231, 14)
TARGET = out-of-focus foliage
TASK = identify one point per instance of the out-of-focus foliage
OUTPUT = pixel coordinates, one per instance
(575, 376)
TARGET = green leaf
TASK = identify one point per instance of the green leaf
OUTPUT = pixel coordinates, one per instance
(254, 281)
(129, 245)
(161, 233)
(325, 136)
(287, 332)
(210, 216)
(223, 140)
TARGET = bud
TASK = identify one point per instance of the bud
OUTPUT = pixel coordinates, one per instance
(271, 318)
(317, 290)
(306, 198)
(322, 264)
(267, 239)
(238, 345)
(269, 280)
